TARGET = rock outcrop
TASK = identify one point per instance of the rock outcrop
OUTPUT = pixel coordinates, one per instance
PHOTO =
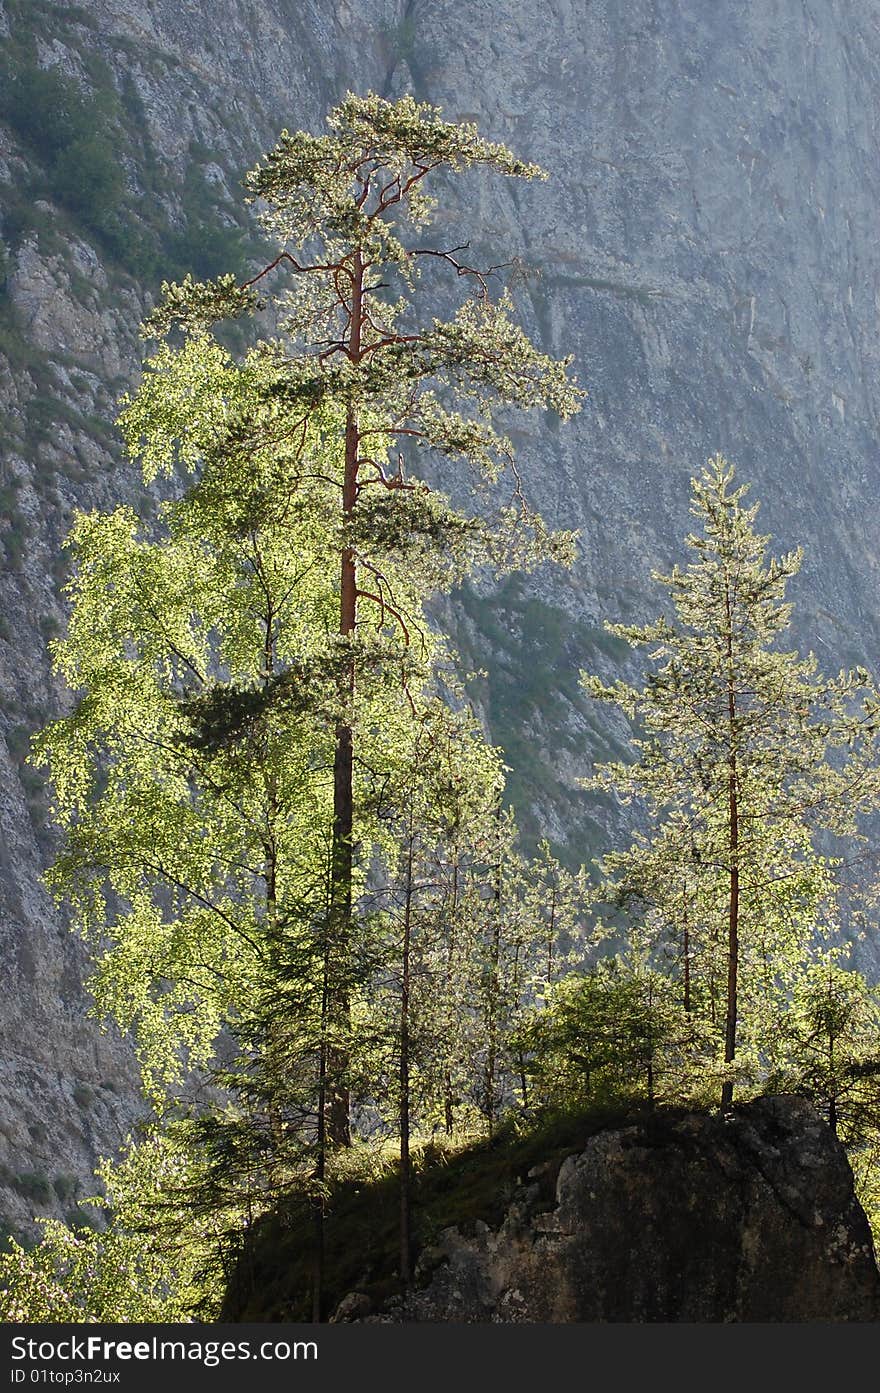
(688, 1219)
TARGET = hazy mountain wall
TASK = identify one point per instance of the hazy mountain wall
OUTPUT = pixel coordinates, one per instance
(707, 248)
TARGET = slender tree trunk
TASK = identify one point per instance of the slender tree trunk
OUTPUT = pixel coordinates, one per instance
(732, 938)
(273, 1061)
(448, 1106)
(551, 936)
(832, 1101)
(687, 961)
(733, 897)
(520, 1055)
(338, 1101)
(320, 1160)
(405, 1165)
(273, 1050)
(448, 1100)
(338, 940)
(492, 1001)
(650, 1044)
(523, 1080)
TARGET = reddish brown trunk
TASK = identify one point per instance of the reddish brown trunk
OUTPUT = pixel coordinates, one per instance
(733, 899)
(448, 1102)
(492, 1003)
(405, 1166)
(338, 1101)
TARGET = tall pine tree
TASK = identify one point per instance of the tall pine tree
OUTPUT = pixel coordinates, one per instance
(252, 665)
(362, 364)
(744, 753)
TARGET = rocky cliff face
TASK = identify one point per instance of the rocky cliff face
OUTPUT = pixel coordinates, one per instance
(707, 249)
(749, 1218)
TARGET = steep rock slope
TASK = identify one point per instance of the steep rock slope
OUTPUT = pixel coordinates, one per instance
(706, 248)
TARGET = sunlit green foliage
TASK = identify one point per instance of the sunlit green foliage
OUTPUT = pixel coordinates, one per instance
(197, 780)
(744, 753)
(613, 1034)
(832, 1045)
(155, 1260)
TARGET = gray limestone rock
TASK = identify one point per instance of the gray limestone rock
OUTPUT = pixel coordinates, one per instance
(690, 1219)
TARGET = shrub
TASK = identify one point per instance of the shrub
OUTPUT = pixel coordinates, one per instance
(65, 1187)
(45, 108)
(614, 1033)
(87, 179)
(34, 1186)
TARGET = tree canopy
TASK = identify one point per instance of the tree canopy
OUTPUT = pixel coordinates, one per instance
(265, 715)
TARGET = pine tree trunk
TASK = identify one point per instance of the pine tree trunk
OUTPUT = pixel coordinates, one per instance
(338, 940)
(687, 964)
(520, 1054)
(551, 936)
(338, 1101)
(832, 1101)
(732, 938)
(493, 1003)
(405, 1165)
(320, 1162)
(650, 1044)
(448, 1100)
(733, 899)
